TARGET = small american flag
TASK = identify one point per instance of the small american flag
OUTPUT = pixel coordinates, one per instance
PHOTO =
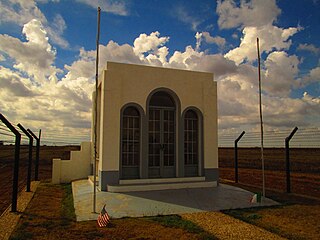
(103, 218)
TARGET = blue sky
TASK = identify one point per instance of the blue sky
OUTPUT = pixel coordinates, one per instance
(47, 51)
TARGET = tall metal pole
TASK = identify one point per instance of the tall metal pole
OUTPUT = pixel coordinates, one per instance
(30, 156)
(36, 168)
(287, 140)
(96, 118)
(15, 180)
(236, 156)
(261, 122)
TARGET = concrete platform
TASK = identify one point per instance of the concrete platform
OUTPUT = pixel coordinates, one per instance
(164, 202)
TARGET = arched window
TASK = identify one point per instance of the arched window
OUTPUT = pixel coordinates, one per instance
(130, 143)
(191, 142)
(161, 99)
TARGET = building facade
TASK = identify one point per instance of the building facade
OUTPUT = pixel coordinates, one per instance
(155, 123)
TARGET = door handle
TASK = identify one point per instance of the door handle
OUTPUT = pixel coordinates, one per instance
(162, 147)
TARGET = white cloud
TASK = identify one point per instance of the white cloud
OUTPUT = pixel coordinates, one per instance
(15, 83)
(309, 47)
(22, 12)
(270, 38)
(252, 13)
(70, 96)
(312, 77)
(111, 6)
(220, 41)
(56, 30)
(153, 46)
(198, 37)
(182, 14)
(145, 43)
(34, 57)
(310, 99)
(281, 70)
(235, 36)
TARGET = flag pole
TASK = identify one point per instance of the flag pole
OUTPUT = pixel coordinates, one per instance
(261, 122)
(96, 119)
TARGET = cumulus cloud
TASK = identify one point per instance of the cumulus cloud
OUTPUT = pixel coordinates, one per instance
(220, 41)
(15, 83)
(271, 38)
(281, 70)
(145, 43)
(22, 12)
(250, 13)
(312, 100)
(309, 47)
(69, 97)
(56, 30)
(181, 13)
(35, 56)
(312, 77)
(198, 37)
(111, 6)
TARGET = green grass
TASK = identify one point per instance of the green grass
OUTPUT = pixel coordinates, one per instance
(247, 215)
(22, 236)
(67, 209)
(176, 221)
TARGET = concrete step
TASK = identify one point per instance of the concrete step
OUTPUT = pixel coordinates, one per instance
(90, 178)
(159, 186)
(161, 180)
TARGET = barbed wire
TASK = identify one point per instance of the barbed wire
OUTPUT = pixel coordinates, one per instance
(304, 137)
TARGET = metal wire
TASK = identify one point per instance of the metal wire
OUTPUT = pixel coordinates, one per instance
(305, 137)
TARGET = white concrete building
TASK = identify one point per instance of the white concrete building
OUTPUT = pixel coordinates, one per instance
(156, 126)
(156, 123)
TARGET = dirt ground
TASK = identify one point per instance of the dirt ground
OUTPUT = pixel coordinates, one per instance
(301, 183)
(48, 217)
(47, 153)
(304, 165)
(291, 221)
(305, 177)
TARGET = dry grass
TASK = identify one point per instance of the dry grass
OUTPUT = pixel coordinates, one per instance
(226, 227)
(50, 215)
(292, 221)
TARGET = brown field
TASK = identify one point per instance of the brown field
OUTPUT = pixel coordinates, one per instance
(45, 167)
(305, 165)
(305, 168)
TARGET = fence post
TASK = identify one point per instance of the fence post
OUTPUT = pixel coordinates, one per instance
(288, 158)
(236, 156)
(36, 168)
(30, 155)
(16, 163)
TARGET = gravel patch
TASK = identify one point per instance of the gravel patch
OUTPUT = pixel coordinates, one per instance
(8, 219)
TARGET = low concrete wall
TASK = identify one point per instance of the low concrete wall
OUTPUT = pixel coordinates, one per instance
(78, 167)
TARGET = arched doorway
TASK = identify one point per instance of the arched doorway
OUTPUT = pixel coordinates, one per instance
(162, 136)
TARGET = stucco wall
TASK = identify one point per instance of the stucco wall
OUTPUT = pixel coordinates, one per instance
(125, 83)
(78, 167)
